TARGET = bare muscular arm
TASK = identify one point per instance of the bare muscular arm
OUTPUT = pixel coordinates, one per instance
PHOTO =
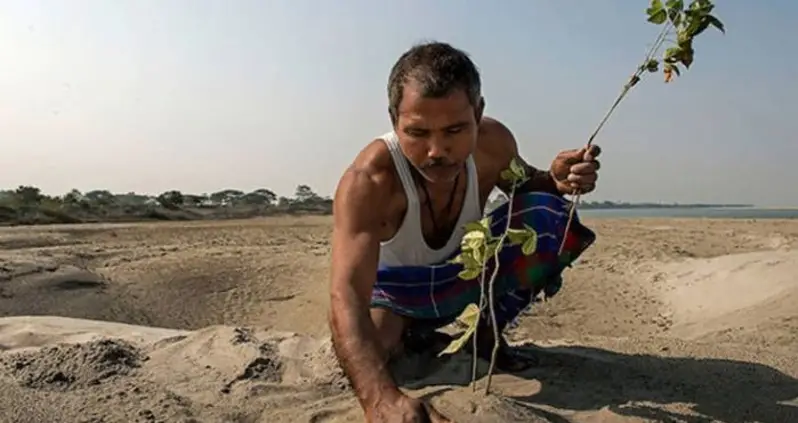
(355, 251)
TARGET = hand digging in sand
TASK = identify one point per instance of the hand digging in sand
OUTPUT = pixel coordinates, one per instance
(399, 215)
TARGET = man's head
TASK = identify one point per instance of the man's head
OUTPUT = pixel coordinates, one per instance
(435, 104)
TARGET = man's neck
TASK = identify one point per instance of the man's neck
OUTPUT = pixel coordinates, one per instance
(441, 190)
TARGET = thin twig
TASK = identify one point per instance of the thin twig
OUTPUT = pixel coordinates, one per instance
(491, 302)
(476, 330)
(633, 80)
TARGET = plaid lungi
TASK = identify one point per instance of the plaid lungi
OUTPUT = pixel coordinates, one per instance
(436, 293)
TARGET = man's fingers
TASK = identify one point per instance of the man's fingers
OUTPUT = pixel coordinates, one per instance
(584, 154)
(591, 153)
(585, 168)
(582, 179)
(574, 188)
(571, 156)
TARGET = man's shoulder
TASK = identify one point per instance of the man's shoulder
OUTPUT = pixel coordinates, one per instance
(495, 139)
(370, 178)
(375, 161)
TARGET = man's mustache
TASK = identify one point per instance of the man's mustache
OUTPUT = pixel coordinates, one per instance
(437, 162)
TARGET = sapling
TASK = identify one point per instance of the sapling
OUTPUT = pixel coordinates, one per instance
(685, 23)
(477, 248)
(479, 245)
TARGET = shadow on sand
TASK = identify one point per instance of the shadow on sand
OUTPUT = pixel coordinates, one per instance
(582, 379)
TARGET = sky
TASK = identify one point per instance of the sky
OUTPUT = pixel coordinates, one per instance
(203, 95)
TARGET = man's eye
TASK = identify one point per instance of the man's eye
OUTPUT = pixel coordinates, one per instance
(455, 130)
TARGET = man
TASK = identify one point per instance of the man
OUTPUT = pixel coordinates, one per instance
(399, 212)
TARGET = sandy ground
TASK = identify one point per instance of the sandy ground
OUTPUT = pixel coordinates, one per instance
(662, 320)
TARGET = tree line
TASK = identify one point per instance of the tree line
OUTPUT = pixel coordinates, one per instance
(28, 205)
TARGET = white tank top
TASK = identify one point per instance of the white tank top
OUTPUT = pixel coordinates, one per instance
(408, 247)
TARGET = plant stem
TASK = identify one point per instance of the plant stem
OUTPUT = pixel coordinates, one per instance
(633, 80)
(491, 302)
(475, 358)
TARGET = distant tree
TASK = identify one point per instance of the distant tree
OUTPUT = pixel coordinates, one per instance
(259, 197)
(100, 197)
(29, 195)
(170, 199)
(131, 199)
(7, 196)
(284, 202)
(226, 196)
(72, 197)
(193, 200)
(305, 194)
(268, 195)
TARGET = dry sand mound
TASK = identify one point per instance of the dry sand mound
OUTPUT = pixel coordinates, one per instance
(738, 294)
(221, 374)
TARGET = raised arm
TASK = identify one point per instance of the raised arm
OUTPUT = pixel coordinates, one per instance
(355, 253)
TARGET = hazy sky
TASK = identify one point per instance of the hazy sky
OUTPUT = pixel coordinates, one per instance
(200, 95)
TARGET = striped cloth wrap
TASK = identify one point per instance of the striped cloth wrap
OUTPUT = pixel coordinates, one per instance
(436, 295)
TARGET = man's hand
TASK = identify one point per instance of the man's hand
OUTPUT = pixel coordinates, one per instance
(405, 409)
(576, 170)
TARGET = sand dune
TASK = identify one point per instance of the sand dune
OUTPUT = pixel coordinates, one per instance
(662, 321)
(735, 292)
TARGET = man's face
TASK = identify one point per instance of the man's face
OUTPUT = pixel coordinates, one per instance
(437, 134)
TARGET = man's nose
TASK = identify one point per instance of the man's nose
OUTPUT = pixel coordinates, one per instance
(439, 147)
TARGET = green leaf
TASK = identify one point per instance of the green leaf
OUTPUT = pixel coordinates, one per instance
(675, 17)
(516, 236)
(672, 54)
(651, 66)
(716, 23)
(659, 17)
(482, 225)
(683, 37)
(687, 58)
(699, 22)
(490, 248)
(701, 7)
(469, 274)
(471, 262)
(530, 245)
(517, 170)
(686, 44)
(507, 175)
(691, 27)
(675, 4)
(459, 259)
(469, 317)
(702, 26)
(467, 260)
(654, 7)
(479, 254)
(474, 239)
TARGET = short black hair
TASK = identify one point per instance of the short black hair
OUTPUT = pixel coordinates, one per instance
(438, 69)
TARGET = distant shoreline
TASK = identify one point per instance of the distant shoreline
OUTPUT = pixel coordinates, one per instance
(675, 212)
(626, 206)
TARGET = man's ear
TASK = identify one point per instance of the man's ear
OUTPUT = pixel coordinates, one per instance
(480, 109)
